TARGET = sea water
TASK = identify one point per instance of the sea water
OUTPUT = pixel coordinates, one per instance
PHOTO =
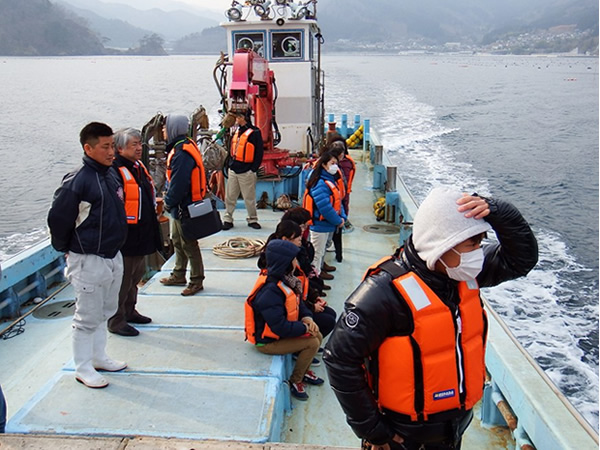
(524, 129)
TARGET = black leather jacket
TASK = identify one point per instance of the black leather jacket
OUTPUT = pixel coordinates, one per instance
(375, 311)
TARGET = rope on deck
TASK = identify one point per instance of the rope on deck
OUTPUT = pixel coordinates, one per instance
(238, 247)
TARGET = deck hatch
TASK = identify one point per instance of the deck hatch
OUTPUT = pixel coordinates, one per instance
(379, 228)
(56, 310)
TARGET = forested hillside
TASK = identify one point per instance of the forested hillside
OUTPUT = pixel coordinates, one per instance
(40, 28)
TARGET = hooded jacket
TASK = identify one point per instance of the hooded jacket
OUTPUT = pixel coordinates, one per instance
(87, 215)
(179, 193)
(376, 311)
(269, 303)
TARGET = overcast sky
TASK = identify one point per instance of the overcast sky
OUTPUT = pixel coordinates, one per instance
(214, 5)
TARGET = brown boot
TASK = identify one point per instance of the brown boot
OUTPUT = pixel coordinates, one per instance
(191, 289)
(326, 276)
(328, 268)
(172, 280)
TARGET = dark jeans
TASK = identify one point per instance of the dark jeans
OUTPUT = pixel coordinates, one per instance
(2, 411)
(325, 320)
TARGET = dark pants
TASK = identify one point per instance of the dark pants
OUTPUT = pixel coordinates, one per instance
(443, 435)
(133, 271)
(325, 320)
(2, 411)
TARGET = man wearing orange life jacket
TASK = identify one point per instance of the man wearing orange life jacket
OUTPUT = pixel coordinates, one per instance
(187, 184)
(416, 329)
(143, 236)
(245, 158)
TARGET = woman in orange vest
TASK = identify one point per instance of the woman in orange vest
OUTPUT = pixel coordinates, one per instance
(418, 321)
(323, 199)
(278, 322)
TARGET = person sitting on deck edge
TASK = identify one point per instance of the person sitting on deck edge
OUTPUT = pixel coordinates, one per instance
(277, 322)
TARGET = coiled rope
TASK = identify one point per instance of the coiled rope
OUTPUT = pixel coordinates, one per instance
(238, 247)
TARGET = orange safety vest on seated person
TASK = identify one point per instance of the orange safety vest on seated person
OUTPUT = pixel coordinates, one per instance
(198, 177)
(241, 149)
(335, 198)
(440, 366)
(292, 307)
(133, 193)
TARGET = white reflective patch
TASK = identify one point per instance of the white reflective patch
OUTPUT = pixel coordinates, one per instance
(416, 294)
(473, 285)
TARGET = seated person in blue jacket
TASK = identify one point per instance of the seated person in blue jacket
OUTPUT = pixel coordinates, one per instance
(277, 322)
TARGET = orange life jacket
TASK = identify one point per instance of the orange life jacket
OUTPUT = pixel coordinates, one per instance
(292, 306)
(350, 179)
(133, 193)
(440, 366)
(341, 185)
(241, 149)
(198, 177)
(335, 198)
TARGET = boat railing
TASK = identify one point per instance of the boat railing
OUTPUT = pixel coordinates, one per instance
(28, 275)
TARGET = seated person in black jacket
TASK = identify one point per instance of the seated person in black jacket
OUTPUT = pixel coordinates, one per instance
(323, 315)
(278, 322)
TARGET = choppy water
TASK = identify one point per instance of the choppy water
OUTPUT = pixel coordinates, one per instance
(521, 128)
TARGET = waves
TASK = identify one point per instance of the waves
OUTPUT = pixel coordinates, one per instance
(450, 138)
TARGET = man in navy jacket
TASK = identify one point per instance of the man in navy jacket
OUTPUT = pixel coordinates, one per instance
(87, 222)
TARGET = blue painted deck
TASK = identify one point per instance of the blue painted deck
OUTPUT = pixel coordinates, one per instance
(192, 376)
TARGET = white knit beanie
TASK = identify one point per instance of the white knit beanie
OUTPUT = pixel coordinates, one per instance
(438, 226)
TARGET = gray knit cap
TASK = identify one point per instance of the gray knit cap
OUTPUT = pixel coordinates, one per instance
(438, 226)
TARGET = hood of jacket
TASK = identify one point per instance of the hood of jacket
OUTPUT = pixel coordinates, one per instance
(279, 255)
(177, 125)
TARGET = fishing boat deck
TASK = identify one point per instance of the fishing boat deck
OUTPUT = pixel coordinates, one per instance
(190, 374)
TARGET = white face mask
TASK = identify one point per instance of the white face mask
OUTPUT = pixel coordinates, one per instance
(469, 266)
(333, 169)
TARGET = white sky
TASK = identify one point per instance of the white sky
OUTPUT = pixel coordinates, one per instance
(213, 5)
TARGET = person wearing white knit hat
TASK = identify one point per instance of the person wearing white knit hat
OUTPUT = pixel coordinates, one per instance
(418, 318)
(440, 225)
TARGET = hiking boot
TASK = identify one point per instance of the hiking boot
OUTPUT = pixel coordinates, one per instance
(326, 276)
(311, 378)
(172, 280)
(297, 390)
(191, 289)
(348, 227)
(326, 287)
(328, 268)
(255, 225)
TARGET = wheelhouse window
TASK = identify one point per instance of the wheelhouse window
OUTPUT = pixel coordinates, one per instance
(286, 45)
(250, 41)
